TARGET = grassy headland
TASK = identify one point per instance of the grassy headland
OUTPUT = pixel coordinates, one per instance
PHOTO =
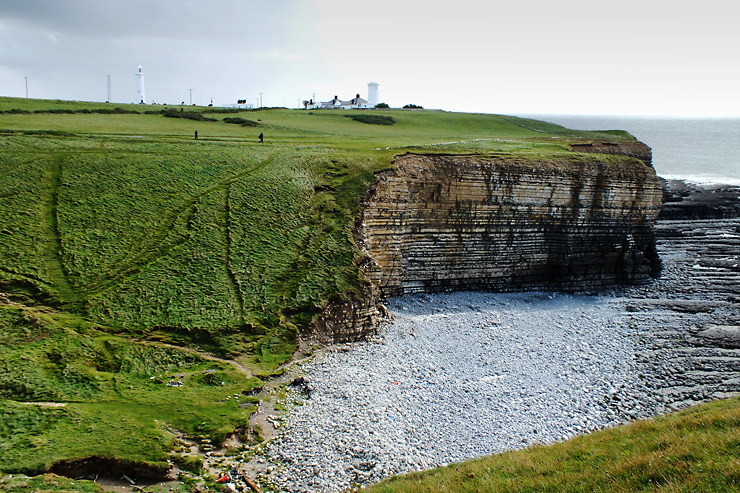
(134, 258)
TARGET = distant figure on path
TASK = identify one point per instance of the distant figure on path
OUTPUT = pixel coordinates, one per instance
(262, 137)
(196, 135)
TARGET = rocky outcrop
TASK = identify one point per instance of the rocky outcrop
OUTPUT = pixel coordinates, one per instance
(691, 315)
(576, 223)
(438, 223)
(348, 319)
(683, 200)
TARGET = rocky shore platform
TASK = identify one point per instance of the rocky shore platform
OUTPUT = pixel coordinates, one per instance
(683, 200)
(456, 376)
(691, 314)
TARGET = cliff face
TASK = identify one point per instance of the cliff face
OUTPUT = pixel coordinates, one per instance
(442, 223)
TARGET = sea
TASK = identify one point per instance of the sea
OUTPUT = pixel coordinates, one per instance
(697, 150)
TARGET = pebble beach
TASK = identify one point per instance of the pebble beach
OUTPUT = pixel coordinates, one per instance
(456, 376)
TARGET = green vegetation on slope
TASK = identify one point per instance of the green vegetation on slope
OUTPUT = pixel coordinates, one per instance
(48, 483)
(133, 255)
(68, 390)
(695, 450)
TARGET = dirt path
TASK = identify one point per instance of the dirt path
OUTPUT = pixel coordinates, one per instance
(207, 356)
(45, 404)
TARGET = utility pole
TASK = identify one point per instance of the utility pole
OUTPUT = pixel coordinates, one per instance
(260, 100)
(26, 87)
(191, 97)
(109, 90)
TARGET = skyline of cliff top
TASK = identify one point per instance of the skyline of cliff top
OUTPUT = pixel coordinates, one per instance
(537, 57)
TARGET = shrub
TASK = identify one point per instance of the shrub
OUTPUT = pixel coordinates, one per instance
(413, 107)
(241, 121)
(224, 110)
(190, 463)
(382, 106)
(189, 115)
(373, 119)
(53, 133)
(83, 111)
(57, 112)
(113, 111)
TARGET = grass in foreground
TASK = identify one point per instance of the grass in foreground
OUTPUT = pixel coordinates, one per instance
(697, 449)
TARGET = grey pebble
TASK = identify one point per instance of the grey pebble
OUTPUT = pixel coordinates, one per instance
(460, 387)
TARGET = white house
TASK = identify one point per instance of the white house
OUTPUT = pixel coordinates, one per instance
(354, 103)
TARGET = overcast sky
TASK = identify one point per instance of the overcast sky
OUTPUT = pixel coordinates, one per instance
(632, 57)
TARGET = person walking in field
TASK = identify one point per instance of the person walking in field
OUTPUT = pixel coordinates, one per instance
(196, 135)
(261, 138)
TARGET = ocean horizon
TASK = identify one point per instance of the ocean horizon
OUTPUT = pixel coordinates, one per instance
(697, 150)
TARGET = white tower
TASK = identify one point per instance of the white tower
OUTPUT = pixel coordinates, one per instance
(372, 94)
(140, 85)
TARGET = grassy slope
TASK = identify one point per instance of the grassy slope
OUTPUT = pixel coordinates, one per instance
(123, 237)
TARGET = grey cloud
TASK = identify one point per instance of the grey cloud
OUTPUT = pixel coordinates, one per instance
(220, 45)
(229, 19)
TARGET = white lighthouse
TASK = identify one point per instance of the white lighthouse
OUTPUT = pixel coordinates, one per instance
(372, 94)
(140, 85)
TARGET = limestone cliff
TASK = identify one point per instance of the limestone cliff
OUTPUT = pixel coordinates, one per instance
(576, 222)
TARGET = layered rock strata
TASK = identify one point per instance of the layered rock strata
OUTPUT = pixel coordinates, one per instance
(578, 223)
(436, 223)
(347, 319)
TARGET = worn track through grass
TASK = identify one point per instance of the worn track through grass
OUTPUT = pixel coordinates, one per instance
(156, 245)
(54, 247)
(234, 280)
(247, 372)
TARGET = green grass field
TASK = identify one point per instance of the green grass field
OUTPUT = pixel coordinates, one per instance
(132, 255)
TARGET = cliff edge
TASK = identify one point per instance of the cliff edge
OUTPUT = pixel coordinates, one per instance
(436, 223)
